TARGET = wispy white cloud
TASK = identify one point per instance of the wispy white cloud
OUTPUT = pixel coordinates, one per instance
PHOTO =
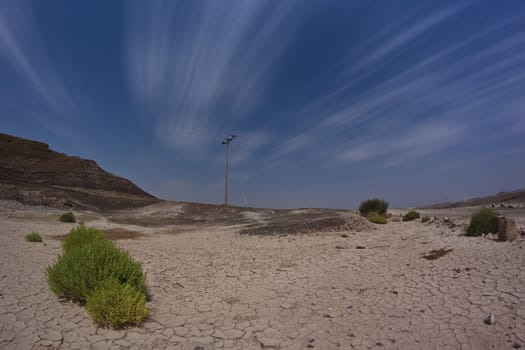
(24, 49)
(403, 146)
(203, 67)
(424, 107)
(412, 30)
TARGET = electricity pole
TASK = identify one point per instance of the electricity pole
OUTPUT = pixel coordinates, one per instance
(227, 143)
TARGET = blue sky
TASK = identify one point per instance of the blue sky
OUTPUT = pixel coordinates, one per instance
(333, 102)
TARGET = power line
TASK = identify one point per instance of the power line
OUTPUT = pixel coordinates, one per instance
(103, 124)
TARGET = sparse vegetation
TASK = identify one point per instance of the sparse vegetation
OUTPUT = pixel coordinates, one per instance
(89, 269)
(425, 218)
(33, 237)
(378, 205)
(67, 217)
(411, 215)
(483, 221)
(375, 218)
(117, 305)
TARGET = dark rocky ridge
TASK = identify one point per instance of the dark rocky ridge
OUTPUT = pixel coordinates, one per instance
(502, 199)
(33, 174)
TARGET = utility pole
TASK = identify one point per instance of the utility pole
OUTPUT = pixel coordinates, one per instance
(227, 143)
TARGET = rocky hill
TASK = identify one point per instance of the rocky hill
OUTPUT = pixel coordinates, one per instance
(503, 199)
(33, 174)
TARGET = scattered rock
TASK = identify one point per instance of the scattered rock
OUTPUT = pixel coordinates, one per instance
(516, 345)
(344, 235)
(490, 319)
(360, 247)
(507, 230)
(437, 253)
(339, 247)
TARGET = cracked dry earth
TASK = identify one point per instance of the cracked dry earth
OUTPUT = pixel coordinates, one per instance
(216, 289)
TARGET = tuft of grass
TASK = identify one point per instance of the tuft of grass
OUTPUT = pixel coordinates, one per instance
(67, 217)
(378, 205)
(425, 218)
(34, 237)
(376, 218)
(483, 221)
(411, 215)
(117, 305)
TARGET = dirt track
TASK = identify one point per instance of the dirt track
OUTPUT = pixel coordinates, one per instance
(214, 288)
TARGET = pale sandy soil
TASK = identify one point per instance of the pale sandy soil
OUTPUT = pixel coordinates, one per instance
(215, 289)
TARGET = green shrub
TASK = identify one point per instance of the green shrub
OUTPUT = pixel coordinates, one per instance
(376, 218)
(81, 236)
(67, 217)
(483, 221)
(425, 218)
(34, 237)
(116, 305)
(95, 271)
(411, 215)
(377, 205)
(79, 271)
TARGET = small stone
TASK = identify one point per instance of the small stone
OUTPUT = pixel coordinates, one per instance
(516, 345)
(490, 319)
(360, 247)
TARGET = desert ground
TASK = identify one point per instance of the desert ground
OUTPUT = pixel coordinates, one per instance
(279, 280)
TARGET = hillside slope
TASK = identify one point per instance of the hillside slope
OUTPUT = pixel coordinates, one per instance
(33, 174)
(512, 199)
